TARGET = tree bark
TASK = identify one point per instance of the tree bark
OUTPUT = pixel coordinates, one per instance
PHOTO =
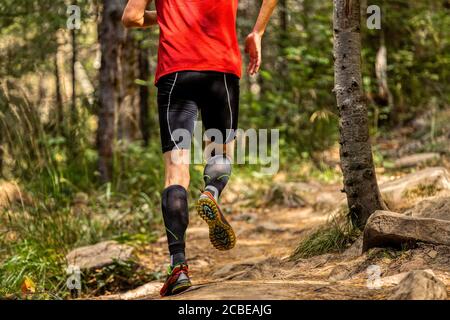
(381, 73)
(283, 39)
(59, 100)
(110, 34)
(85, 84)
(64, 81)
(144, 93)
(360, 182)
(73, 118)
(129, 129)
(1, 155)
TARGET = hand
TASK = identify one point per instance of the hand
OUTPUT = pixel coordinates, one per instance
(253, 49)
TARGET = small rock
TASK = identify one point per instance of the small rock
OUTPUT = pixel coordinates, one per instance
(233, 267)
(285, 194)
(245, 217)
(410, 147)
(437, 208)
(226, 269)
(416, 264)
(148, 289)
(198, 263)
(385, 228)
(10, 193)
(328, 200)
(420, 285)
(80, 203)
(416, 159)
(397, 278)
(80, 198)
(339, 273)
(319, 261)
(195, 233)
(428, 181)
(269, 226)
(355, 249)
(99, 255)
(432, 254)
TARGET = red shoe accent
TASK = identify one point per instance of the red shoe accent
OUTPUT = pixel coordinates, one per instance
(210, 196)
(173, 277)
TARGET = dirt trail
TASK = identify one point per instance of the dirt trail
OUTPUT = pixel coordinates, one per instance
(259, 268)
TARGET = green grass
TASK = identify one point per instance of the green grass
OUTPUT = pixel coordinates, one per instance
(31, 260)
(35, 237)
(35, 240)
(335, 236)
(69, 208)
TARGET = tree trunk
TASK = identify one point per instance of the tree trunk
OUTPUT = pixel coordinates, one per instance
(59, 99)
(62, 49)
(110, 34)
(144, 92)
(360, 182)
(381, 73)
(283, 10)
(1, 155)
(86, 86)
(74, 117)
(128, 117)
(283, 39)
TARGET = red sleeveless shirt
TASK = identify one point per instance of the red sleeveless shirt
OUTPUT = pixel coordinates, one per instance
(198, 35)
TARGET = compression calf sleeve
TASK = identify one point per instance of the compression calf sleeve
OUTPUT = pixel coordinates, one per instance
(216, 174)
(176, 219)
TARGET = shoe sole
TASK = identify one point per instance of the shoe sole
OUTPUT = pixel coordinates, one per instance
(221, 234)
(181, 287)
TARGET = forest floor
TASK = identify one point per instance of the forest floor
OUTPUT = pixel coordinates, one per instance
(270, 220)
(260, 266)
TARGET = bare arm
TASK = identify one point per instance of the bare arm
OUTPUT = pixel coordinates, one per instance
(253, 41)
(264, 15)
(135, 14)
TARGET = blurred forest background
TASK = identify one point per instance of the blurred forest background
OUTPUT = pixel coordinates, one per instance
(78, 118)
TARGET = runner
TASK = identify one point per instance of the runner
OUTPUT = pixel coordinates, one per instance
(199, 67)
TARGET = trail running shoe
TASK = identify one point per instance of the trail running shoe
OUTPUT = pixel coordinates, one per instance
(177, 280)
(221, 234)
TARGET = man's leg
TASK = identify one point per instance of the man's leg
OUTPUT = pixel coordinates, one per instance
(220, 115)
(219, 108)
(174, 205)
(177, 114)
(218, 167)
(216, 174)
(174, 202)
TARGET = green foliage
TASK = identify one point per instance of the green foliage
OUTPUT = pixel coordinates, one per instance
(337, 235)
(32, 260)
(34, 239)
(55, 169)
(418, 58)
(296, 83)
(56, 162)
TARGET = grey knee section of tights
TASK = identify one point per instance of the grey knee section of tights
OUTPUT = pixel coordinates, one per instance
(216, 175)
(217, 167)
